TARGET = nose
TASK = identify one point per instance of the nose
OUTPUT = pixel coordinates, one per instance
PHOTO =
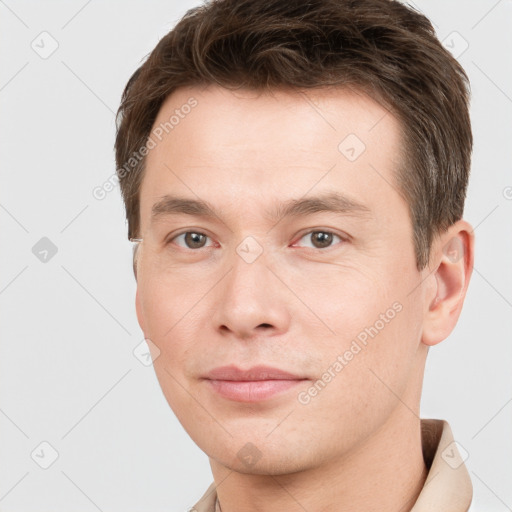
(251, 300)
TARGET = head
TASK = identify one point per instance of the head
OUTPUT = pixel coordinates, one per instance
(297, 174)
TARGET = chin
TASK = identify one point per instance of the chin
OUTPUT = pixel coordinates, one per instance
(273, 466)
(261, 456)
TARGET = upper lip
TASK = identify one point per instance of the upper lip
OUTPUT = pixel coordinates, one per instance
(260, 372)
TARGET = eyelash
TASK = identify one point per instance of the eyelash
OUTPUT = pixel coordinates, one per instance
(325, 231)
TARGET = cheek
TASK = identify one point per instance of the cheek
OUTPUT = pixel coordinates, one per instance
(171, 324)
(365, 369)
(165, 318)
(375, 324)
(347, 300)
(168, 304)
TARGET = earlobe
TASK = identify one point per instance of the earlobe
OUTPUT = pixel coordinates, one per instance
(453, 259)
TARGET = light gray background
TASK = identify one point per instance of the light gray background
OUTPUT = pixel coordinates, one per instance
(68, 375)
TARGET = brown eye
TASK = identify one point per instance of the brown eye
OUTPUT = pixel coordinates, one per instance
(321, 239)
(192, 239)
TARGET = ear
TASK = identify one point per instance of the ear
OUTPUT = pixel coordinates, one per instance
(138, 308)
(452, 260)
(135, 259)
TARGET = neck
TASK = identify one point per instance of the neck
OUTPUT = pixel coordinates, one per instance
(385, 473)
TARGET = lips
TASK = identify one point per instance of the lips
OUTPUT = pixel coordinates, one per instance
(255, 373)
(256, 384)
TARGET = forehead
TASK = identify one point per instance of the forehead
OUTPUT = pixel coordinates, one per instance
(240, 147)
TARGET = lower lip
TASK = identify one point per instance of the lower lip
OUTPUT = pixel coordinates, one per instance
(252, 391)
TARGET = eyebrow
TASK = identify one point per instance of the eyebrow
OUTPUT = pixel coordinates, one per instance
(331, 202)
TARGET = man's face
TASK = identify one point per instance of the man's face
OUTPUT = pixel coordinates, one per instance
(332, 297)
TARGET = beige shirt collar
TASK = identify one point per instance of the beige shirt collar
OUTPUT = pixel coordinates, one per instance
(447, 488)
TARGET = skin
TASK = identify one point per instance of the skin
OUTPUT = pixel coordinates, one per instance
(356, 445)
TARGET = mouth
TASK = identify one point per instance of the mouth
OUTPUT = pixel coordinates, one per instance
(256, 384)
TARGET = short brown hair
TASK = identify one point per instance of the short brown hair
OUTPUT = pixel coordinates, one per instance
(381, 47)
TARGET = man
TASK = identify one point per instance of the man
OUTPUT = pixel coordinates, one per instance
(294, 176)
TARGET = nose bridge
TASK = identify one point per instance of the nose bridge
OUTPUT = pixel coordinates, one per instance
(250, 295)
(246, 283)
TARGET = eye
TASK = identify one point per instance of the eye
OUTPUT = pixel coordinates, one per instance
(321, 239)
(191, 239)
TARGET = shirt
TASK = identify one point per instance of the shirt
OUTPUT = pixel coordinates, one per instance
(447, 487)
